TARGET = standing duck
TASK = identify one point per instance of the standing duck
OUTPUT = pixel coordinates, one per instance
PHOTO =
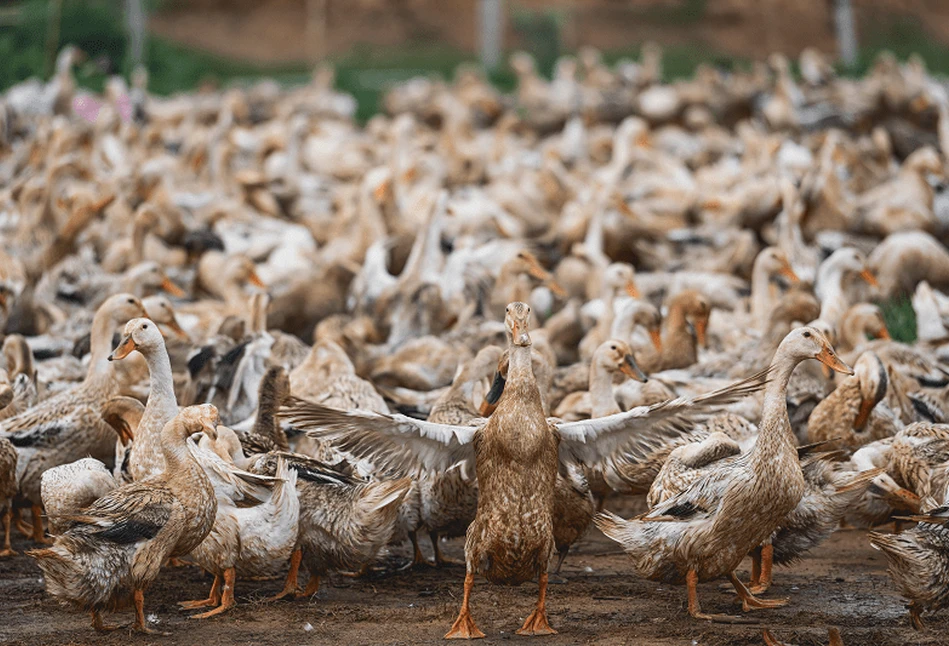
(919, 562)
(705, 531)
(516, 455)
(117, 545)
(68, 426)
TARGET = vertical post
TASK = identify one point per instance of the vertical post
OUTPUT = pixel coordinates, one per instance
(846, 32)
(492, 32)
(52, 34)
(135, 23)
(316, 29)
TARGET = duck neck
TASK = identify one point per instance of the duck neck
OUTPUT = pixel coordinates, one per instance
(266, 423)
(776, 437)
(760, 295)
(100, 346)
(162, 402)
(602, 399)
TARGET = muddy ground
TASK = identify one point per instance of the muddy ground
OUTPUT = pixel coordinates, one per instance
(843, 583)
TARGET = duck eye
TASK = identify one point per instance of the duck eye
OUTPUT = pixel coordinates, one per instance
(131, 301)
(145, 327)
(612, 347)
(807, 335)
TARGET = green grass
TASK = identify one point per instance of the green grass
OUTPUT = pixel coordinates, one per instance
(900, 318)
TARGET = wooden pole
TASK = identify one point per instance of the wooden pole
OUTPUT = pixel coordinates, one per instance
(52, 34)
(316, 29)
(492, 32)
(135, 22)
(846, 32)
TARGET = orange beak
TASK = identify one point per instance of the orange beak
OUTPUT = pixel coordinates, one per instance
(883, 333)
(631, 370)
(829, 358)
(631, 289)
(788, 272)
(701, 332)
(174, 327)
(863, 414)
(556, 289)
(656, 337)
(255, 280)
(126, 346)
(171, 288)
(869, 277)
(380, 191)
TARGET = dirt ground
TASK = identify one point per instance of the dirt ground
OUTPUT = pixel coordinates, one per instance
(843, 583)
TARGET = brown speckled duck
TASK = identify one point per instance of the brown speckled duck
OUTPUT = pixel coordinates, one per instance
(117, 545)
(919, 562)
(705, 531)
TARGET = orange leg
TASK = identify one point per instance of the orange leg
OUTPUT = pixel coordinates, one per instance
(227, 596)
(140, 625)
(756, 565)
(312, 586)
(692, 581)
(362, 571)
(915, 615)
(765, 570)
(291, 587)
(7, 520)
(464, 626)
(441, 559)
(537, 624)
(38, 535)
(100, 626)
(214, 597)
(21, 525)
(750, 601)
(417, 557)
(560, 559)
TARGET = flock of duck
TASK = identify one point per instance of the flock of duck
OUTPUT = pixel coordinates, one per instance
(519, 306)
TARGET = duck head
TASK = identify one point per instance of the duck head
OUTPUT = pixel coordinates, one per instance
(809, 343)
(517, 321)
(616, 355)
(160, 310)
(140, 333)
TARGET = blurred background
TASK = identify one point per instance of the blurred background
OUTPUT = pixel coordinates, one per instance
(373, 43)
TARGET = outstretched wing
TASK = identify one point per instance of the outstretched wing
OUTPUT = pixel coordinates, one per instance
(393, 443)
(635, 432)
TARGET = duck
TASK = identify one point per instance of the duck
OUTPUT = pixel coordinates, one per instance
(858, 324)
(255, 528)
(20, 376)
(516, 434)
(67, 425)
(8, 491)
(700, 534)
(918, 562)
(145, 458)
(916, 457)
(115, 547)
(855, 414)
(683, 331)
(613, 357)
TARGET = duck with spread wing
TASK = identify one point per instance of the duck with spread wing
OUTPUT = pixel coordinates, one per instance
(515, 454)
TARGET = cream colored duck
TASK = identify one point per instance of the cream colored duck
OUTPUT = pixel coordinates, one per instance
(255, 528)
(905, 202)
(116, 547)
(146, 457)
(858, 324)
(613, 357)
(617, 278)
(67, 426)
(832, 282)
(701, 533)
(917, 458)
(905, 258)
